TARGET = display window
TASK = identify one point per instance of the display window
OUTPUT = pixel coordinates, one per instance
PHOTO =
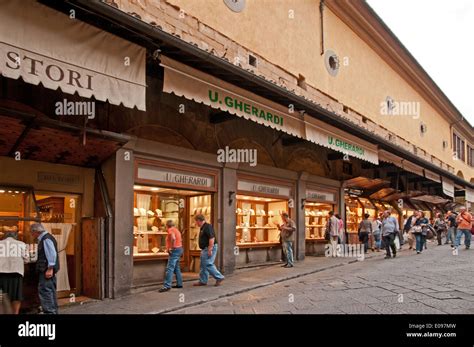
(17, 211)
(354, 214)
(316, 218)
(154, 205)
(258, 219)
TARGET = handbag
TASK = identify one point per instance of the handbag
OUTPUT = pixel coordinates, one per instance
(327, 235)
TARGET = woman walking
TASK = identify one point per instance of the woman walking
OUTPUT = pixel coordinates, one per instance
(12, 267)
(420, 230)
(365, 228)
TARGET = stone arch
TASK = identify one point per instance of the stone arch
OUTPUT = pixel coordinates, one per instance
(263, 155)
(460, 174)
(472, 180)
(308, 160)
(159, 133)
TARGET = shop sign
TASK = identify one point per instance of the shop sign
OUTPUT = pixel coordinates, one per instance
(344, 146)
(83, 59)
(177, 177)
(249, 108)
(263, 188)
(55, 178)
(322, 196)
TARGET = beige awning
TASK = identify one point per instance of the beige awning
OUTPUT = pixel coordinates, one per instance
(390, 158)
(432, 176)
(448, 187)
(192, 84)
(432, 199)
(407, 165)
(470, 195)
(328, 136)
(42, 45)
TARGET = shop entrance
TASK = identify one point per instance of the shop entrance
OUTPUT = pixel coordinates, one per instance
(59, 215)
(153, 206)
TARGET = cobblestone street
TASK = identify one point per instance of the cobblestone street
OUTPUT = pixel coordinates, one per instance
(434, 282)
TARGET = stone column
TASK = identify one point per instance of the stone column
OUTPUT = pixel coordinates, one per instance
(228, 222)
(123, 223)
(300, 218)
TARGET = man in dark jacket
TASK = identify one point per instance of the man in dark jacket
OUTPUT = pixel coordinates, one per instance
(47, 266)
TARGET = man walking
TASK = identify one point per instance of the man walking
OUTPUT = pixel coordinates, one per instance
(174, 246)
(333, 229)
(410, 222)
(452, 225)
(47, 267)
(287, 231)
(208, 245)
(389, 230)
(464, 222)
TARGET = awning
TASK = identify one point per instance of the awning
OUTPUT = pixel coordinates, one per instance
(404, 164)
(448, 187)
(469, 194)
(326, 135)
(432, 176)
(192, 84)
(432, 199)
(45, 46)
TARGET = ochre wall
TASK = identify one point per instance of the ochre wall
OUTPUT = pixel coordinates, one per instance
(266, 28)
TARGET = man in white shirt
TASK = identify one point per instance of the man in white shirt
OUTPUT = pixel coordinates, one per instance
(13, 256)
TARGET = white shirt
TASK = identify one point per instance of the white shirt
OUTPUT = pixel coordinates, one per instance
(13, 256)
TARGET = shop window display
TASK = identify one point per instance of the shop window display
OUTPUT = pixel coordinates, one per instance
(316, 217)
(258, 219)
(154, 206)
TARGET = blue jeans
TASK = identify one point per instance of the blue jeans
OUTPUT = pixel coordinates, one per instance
(420, 241)
(451, 235)
(47, 294)
(467, 237)
(208, 267)
(287, 248)
(174, 268)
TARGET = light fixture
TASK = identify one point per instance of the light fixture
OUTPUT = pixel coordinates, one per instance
(2, 191)
(155, 189)
(137, 187)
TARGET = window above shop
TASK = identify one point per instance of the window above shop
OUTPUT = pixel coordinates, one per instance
(458, 147)
(470, 155)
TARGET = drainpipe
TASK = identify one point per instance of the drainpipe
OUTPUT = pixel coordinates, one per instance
(321, 19)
